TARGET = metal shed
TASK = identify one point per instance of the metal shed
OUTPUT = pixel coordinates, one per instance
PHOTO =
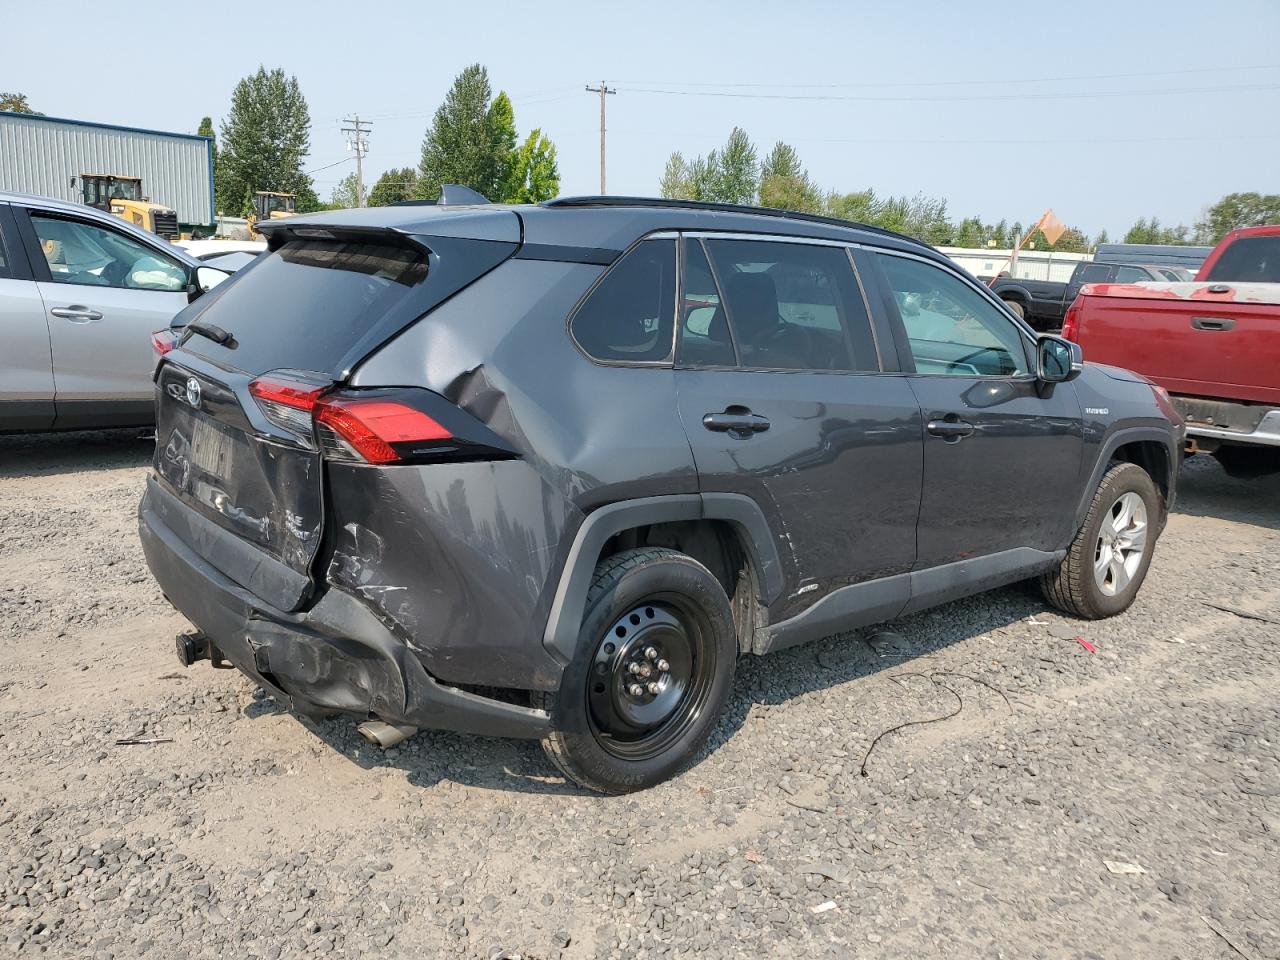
(41, 155)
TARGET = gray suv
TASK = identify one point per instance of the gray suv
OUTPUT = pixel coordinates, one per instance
(549, 471)
(81, 293)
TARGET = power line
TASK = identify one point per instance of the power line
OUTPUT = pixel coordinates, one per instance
(948, 83)
(327, 166)
(1084, 95)
(604, 91)
(356, 141)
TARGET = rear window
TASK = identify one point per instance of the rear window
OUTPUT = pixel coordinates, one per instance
(1249, 260)
(307, 304)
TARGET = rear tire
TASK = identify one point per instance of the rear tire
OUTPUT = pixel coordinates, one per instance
(653, 670)
(1104, 568)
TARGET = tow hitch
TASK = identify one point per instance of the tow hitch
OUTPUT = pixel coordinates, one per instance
(194, 647)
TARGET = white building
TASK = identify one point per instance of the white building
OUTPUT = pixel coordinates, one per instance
(1032, 264)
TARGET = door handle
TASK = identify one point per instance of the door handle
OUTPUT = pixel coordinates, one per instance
(1212, 323)
(736, 420)
(76, 314)
(949, 429)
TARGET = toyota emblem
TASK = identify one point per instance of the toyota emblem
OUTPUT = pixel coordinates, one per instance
(193, 392)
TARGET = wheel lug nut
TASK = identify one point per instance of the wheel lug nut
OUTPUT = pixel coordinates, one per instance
(636, 690)
(651, 653)
(653, 687)
(634, 668)
(663, 666)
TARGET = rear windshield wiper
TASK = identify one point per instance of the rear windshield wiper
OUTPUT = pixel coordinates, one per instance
(212, 332)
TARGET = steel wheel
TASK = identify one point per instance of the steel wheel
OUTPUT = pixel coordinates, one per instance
(1122, 540)
(650, 678)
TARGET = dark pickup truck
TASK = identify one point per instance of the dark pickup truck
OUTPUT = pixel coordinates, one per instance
(1043, 303)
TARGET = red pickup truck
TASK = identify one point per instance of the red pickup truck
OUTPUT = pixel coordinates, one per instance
(1213, 344)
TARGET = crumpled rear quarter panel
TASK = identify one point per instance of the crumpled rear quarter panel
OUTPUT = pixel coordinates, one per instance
(456, 559)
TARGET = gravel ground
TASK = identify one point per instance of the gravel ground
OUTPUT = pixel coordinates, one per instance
(1123, 803)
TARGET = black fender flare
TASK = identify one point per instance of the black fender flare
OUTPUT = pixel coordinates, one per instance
(1021, 294)
(560, 636)
(1113, 441)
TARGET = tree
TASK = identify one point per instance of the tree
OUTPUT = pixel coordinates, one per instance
(861, 207)
(785, 184)
(1101, 239)
(346, 194)
(265, 138)
(733, 174)
(17, 103)
(1144, 231)
(532, 173)
(393, 186)
(1237, 210)
(677, 180)
(469, 140)
(206, 130)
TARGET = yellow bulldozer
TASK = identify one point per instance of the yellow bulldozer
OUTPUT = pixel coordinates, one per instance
(268, 205)
(122, 196)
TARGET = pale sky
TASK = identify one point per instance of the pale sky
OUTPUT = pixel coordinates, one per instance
(1106, 111)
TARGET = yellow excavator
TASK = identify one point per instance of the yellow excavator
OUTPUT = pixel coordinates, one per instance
(268, 205)
(122, 196)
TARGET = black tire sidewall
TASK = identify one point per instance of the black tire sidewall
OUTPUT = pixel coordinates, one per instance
(672, 575)
(1132, 479)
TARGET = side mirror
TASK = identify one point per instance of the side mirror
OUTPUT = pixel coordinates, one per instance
(205, 279)
(1059, 360)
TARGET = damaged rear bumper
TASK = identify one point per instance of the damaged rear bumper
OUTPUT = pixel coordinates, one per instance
(335, 656)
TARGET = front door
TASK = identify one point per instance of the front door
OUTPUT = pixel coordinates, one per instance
(105, 293)
(779, 389)
(1002, 452)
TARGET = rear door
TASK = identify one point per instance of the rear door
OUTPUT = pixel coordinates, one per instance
(1002, 457)
(26, 362)
(104, 292)
(780, 391)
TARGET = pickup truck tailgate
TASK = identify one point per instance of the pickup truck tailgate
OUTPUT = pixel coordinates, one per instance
(1212, 340)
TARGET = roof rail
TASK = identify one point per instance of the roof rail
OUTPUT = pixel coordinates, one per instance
(664, 203)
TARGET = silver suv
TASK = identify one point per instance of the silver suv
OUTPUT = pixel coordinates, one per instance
(80, 294)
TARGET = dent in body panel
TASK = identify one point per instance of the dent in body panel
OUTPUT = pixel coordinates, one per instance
(595, 433)
(456, 559)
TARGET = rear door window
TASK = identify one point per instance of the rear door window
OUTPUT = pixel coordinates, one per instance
(705, 340)
(1249, 260)
(793, 306)
(1094, 273)
(629, 317)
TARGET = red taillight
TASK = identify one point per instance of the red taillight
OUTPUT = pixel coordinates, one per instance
(162, 341)
(372, 427)
(287, 403)
(290, 393)
(1071, 322)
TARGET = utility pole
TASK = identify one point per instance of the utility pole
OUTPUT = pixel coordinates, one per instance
(356, 141)
(604, 91)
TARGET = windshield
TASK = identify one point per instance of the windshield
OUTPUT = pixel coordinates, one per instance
(1249, 260)
(280, 205)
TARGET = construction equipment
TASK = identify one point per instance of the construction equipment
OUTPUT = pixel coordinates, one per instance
(268, 205)
(122, 196)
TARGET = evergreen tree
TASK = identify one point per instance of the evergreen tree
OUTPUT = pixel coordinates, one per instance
(265, 138)
(470, 139)
(206, 130)
(345, 195)
(393, 186)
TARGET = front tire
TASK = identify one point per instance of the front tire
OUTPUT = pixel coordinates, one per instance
(1104, 568)
(1018, 309)
(653, 670)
